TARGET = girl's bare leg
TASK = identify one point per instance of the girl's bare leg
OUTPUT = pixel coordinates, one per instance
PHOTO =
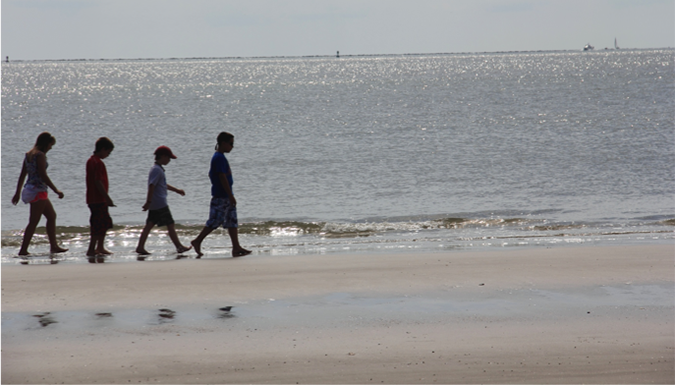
(36, 210)
(50, 214)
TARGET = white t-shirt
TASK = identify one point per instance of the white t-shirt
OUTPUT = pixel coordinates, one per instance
(158, 179)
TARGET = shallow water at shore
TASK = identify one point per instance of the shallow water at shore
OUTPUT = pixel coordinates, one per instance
(426, 152)
(292, 238)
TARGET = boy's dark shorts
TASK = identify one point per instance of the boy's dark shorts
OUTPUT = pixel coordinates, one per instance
(222, 213)
(99, 220)
(160, 217)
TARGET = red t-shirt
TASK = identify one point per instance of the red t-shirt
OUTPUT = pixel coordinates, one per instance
(96, 171)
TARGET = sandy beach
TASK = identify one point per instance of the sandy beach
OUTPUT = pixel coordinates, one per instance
(534, 315)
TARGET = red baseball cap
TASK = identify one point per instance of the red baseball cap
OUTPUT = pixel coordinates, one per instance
(164, 150)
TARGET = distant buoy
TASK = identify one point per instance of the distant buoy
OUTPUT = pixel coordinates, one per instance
(338, 54)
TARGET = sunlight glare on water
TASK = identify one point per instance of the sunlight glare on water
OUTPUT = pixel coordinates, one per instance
(363, 150)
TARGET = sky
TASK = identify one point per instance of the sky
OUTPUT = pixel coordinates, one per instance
(132, 29)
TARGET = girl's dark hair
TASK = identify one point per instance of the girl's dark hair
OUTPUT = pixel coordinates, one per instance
(104, 143)
(44, 140)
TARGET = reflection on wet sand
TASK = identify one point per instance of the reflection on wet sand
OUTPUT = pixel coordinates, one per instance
(69, 320)
(166, 315)
(225, 312)
(46, 319)
(142, 258)
(38, 260)
(52, 259)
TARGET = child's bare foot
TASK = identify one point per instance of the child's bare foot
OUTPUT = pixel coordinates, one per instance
(183, 249)
(24, 253)
(57, 249)
(240, 252)
(198, 248)
(142, 252)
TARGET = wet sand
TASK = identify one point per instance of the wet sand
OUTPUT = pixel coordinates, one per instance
(562, 315)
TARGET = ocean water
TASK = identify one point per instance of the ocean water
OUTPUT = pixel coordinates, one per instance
(359, 154)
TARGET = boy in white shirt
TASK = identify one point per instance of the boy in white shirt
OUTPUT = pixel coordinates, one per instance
(156, 204)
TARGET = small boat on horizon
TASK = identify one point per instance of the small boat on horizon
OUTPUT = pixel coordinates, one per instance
(588, 47)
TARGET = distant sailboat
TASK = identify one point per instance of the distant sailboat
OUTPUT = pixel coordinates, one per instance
(615, 46)
(588, 47)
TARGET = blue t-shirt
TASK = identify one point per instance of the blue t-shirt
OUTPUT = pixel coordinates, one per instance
(219, 165)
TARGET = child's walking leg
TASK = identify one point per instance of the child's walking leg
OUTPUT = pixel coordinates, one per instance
(36, 210)
(237, 250)
(140, 249)
(50, 215)
(174, 238)
(100, 222)
(96, 246)
(197, 242)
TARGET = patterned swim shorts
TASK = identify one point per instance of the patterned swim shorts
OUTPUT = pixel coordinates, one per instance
(222, 213)
(99, 220)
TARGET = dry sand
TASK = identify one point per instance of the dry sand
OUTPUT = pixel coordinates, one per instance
(563, 315)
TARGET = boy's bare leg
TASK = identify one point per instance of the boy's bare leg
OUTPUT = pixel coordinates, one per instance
(237, 250)
(100, 247)
(174, 238)
(140, 249)
(96, 246)
(197, 242)
(91, 252)
(100, 250)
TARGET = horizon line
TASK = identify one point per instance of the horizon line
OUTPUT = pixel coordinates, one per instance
(327, 56)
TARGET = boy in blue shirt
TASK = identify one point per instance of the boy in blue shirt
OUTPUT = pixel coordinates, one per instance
(156, 204)
(223, 210)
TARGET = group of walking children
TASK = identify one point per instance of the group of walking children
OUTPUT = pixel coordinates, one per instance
(223, 209)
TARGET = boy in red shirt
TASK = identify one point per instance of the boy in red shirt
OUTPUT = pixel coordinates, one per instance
(98, 198)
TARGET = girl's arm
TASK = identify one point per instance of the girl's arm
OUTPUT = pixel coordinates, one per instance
(19, 184)
(41, 160)
(174, 189)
